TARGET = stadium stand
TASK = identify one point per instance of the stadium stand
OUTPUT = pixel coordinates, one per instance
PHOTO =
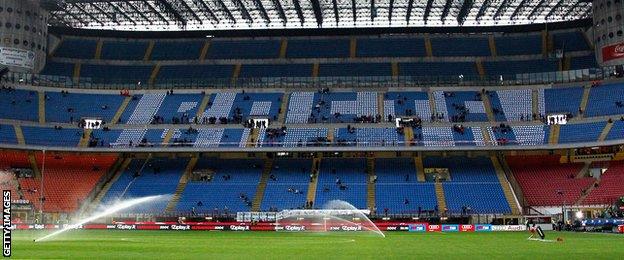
(604, 100)
(287, 185)
(231, 188)
(60, 171)
(176, 50)
(147, 177)
(473, 184)
(76, 48)
(547, 182)
(342, 179)
(397, 188)
(124, 50)
(390, 47)
(610, 187)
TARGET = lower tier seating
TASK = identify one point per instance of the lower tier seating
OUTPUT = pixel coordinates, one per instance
(546, 182)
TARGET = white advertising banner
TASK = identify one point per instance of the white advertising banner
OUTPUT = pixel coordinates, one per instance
(17, 57)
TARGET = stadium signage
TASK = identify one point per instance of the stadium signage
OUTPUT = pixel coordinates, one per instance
(483, 228)
(239, 228)
(295, 228)
(126, 227)
(467, 228)
(450, 228)
(6, 223)
(17, 57)
(418, 227)
(613, 52)
(434, 228)
(180, 227)
(509, 228)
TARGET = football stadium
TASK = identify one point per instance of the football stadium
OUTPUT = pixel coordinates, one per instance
(304, 129)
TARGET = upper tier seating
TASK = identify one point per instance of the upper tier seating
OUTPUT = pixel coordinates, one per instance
(288, 188)
(583, 62)
(351, 174)
(244, 49)
(473, 184)
(58, 69)
(124, 50)
(19, 105)
(318, 48)
(123, 74)
(570, 41)
(52, 137)
(157, 176)
(464, 106)
(460, 47)
(551, 101)
(529, 135)
(411, 104)
(546, 182)
(511, 68)
(311, 107)
(610, 188)
(577, 133)
(390, 47)
(398, 190)
(76, 48)
(7, 134)
(617, 131)
(512, 105)
(68, 179)
(63, 108)
(294, 137)
(518, 45)
(603, 100)
(232, 187)
(193, 73)
(177, 50)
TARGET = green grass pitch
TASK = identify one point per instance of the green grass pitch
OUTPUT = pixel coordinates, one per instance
(102, 244)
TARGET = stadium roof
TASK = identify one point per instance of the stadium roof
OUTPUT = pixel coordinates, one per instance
(175, 15)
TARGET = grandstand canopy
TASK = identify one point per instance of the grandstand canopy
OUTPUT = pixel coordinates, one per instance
(167, 15)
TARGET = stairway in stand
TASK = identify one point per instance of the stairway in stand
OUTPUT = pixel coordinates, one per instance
(311, 196)
(182, 184)
(509, 194)
(439, 190)
(370, 184)
(257, 201)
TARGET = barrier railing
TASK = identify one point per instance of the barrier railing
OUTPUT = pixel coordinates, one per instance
(310, 82)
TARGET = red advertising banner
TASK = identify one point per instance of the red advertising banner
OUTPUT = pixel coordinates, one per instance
(613, 52)
(434, 228)
(467, 228)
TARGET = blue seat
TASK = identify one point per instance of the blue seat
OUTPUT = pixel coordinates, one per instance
(602, 100)
(355, 70)
(518, 45)
(76, 49)
(576, 133)
(124, 50)
(47, 136)
(459, 47)
(318, 48)
(177, 50)
(390, 47)
(102, 106)
(244, 49)
(19, 105)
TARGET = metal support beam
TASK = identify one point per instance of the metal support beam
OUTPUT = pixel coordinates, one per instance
(483, 9)
(410, 6)
(263, 11)
(427, 11)
(554, 9)
(117, 10)
(373, 10)
(521, 6)
(537, 10)
(88, 14)
(190, 10)
(446, 10)
(501, 9)
(208, 13)
(159, 14)
(318, 13)
(226, 11)
(390, 11)
(298, 10)
(172, 12)
(354, 11)
(464, 11)
(280, 11)
(336, 14)
(243, 10)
